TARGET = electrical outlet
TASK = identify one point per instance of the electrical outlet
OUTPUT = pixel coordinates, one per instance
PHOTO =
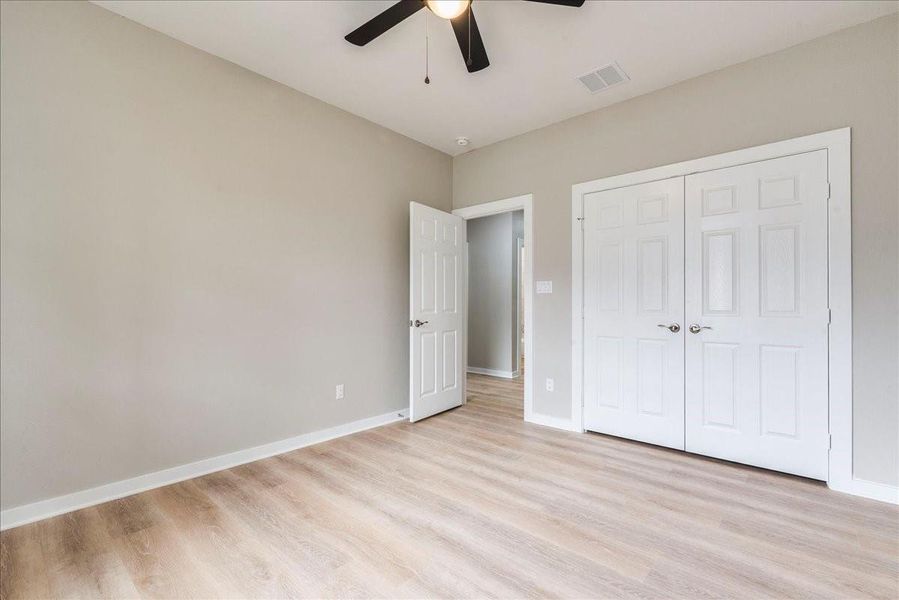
(339, 391)
(550, 384)
(544, 287)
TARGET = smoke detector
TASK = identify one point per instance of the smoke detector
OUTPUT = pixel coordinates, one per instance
(462, 141)
(604, 77)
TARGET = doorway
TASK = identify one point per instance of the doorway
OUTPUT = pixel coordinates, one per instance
(493, 290)
(491, 336)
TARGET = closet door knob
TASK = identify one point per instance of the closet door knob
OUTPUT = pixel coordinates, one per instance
(673, 328)
(694, 328)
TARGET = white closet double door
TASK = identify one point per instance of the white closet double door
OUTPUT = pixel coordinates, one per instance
(705, 313)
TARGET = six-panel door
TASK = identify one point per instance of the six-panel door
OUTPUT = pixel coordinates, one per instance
(738, 258)
(756, 275)
(437, 288)
(633, 299)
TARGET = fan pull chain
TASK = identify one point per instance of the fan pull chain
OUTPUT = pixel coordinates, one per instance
(427, 50)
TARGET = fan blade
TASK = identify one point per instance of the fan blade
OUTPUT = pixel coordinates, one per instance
(394, 15)
(478, 52)
(574, 3)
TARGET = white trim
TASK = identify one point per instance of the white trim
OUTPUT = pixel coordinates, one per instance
(519, 304)
(43, 509)
(493, 372)
(839, 290)
(577, 310)
(525, 203)
(555, 422)
(869, 489)
(837, 144)
(800, 145)
(465, 320)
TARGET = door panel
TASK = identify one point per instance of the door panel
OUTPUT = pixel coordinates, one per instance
(756, 274)
(437, 282)
(633, 282)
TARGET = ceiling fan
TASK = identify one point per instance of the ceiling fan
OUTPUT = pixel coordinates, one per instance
(457, 12)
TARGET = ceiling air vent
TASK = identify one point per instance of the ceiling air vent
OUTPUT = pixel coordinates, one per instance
(603, 78)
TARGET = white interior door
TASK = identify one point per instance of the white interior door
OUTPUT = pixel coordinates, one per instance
(756, 282)
(436, 311)
(633, 293)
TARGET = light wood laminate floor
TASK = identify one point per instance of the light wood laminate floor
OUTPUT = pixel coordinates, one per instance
(471, 503)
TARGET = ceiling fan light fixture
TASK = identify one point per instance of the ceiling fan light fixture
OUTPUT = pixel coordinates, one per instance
(448, 9)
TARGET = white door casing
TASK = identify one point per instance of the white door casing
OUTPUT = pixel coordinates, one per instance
(837, 143)
(633, 293)
(437, 279)
(756, 274)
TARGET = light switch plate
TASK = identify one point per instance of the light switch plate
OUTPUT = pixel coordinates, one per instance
(338, 391)
(544, 287)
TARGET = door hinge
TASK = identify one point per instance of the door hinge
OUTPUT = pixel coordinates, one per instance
(581, 220)
(829, 316)
(830, 442)
(828, 190)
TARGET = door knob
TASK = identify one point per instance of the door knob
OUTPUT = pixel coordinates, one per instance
(673, 328)
(697, 328)
(418, 323)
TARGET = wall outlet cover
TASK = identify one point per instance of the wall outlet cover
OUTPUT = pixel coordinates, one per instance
(339, 391)
(550, 384)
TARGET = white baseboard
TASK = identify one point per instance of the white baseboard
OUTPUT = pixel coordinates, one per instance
(43, 509)
(867, 489)
(493, 372)
(548, 421)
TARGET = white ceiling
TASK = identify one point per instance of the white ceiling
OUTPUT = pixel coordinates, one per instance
(536, 52)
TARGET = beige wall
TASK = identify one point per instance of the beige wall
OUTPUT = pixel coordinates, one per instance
(192, 255)
(850, 78)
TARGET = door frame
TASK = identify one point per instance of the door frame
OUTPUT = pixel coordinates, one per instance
(837, 143)
(519, 306)
(525, 203)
